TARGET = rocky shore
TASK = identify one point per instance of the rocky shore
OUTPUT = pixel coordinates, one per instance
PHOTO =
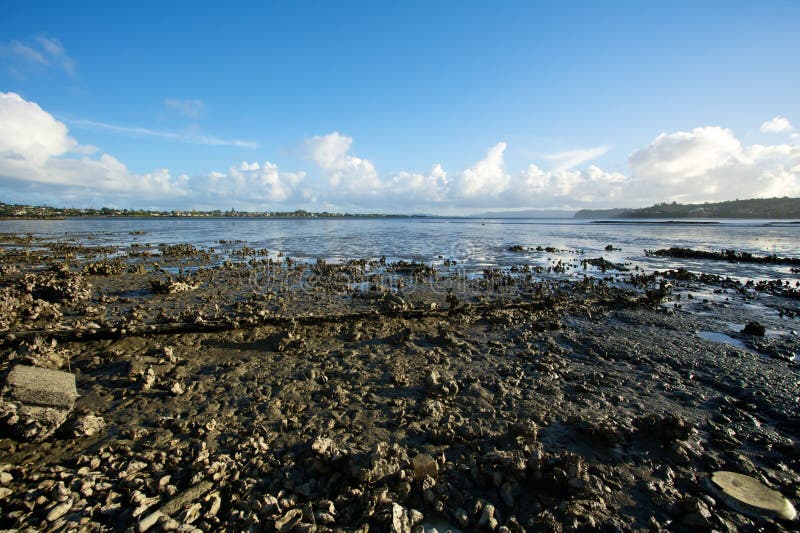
(236, 389)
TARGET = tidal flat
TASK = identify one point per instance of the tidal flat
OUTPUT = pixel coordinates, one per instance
(251, 391)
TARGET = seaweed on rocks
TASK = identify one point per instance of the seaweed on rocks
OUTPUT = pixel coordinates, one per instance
(733, 256)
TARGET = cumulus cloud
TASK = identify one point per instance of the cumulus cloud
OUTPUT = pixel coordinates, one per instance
(704, 164)
(39, 158)
(778, 124)
(39, 51)
(38, 155)
(354, 181)
(344, 171)
(257, 185)
(539, 188)
(36, 150)
(487, 177)
(29, 133)
(410, 189)
(679, 156)
(710, 164)
(194, 108)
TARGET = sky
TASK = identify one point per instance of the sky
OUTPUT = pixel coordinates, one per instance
(449, 107)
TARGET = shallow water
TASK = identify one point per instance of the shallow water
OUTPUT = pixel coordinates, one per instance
(715, 336)
(473, 243)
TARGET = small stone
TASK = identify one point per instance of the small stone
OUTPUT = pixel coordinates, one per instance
(424, 465)
(487, 517)
(754, 328)
(149, 521)
(177, 388)
(88, 425)
(58, 511)
(149, 379)
(433, 378)
(289, 520)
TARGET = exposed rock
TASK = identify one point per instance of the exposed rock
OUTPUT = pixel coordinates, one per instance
(289, 520)
(177, 388)
(88, 425)
(754, 328)
(399, 522)
(424, 465)
(749, 496)
(42, 387)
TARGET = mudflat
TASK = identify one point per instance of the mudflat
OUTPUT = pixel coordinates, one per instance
(251, 393)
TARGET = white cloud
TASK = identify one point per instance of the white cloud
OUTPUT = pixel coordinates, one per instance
(487, 177)
(36, 150)
(682, 155)
(710, 164)
(573, 158)
(38, 156)
(135, 131)
(42, 51)
(345, 172)
(257, 185)
(705, 164)
(29, 132)
(194, 109)
(778, 124)
(409, 189)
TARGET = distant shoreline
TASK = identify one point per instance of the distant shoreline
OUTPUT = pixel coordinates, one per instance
(656, 221)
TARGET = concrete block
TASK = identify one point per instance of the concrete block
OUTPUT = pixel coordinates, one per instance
(43, 387)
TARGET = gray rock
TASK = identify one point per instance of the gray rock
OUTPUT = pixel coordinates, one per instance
(42, 387)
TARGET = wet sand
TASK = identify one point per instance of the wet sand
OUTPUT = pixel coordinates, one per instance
(250, 392)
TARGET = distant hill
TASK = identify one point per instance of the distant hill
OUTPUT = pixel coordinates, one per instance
(528, 213)
(756, 208)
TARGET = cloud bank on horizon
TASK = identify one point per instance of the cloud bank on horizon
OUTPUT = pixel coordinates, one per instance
(41, 162)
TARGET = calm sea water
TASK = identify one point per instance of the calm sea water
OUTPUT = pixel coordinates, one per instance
(474, 243)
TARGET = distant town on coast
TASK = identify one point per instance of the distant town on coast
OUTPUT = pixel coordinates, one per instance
(770, 208)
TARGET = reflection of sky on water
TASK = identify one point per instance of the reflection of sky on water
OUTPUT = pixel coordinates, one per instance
(473, 243)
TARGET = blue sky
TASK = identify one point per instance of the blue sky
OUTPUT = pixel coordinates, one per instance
(401, 106)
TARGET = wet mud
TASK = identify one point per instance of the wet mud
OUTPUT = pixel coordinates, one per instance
(236, 389)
